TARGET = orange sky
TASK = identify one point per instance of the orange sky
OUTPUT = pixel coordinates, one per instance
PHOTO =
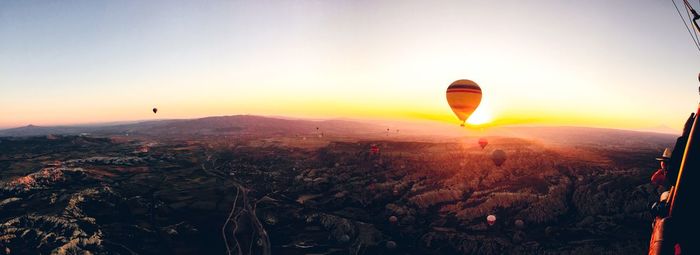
(591, 63)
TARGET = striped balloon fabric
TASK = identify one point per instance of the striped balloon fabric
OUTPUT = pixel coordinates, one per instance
(463, 96)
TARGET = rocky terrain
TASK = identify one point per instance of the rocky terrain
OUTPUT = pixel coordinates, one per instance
(293, 195)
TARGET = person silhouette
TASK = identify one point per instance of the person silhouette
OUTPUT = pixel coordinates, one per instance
(659, 177)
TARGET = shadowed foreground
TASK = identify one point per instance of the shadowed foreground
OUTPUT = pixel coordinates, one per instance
(124, 195)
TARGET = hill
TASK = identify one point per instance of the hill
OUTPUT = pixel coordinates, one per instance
(597, 137)
(266, 127)
(220, 125)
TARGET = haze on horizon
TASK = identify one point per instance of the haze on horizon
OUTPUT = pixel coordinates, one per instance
(622, 64)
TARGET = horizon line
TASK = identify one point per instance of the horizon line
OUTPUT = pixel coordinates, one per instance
(671, 131)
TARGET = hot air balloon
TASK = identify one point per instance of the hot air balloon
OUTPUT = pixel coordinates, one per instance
(519, 223)
(483, 142)
(463, 96)
(498, 157)
(374, 149)
(393, 219)
(491, 219)
(155, 110)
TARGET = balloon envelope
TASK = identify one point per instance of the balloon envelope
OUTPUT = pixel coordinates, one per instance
(393, 219)
(463, 96)
(491, 219)
(374, 149)
(483, 142)
(498, 157)
(155, 110)
(519, 223)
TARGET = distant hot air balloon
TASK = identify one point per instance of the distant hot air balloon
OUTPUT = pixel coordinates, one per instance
(393, 219)
(463, 96)
(155, 110)
(519, 223)
(491, 219)
(498, 157)
(483, 142)
(374, 149)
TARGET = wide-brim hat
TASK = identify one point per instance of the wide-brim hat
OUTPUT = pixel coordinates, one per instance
(666, 155)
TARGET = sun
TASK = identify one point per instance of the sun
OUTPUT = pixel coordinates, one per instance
(481, 116)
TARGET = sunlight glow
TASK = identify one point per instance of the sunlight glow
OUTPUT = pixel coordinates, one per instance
(327, 59)
(482, 115)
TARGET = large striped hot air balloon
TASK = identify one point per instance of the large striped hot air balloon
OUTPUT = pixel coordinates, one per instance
(463, 96)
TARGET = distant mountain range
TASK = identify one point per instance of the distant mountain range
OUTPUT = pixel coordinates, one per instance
(221, 125)
(566, 135)
(258, 126)
(32, 130)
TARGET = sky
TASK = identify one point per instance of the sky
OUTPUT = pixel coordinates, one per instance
(618, 64)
